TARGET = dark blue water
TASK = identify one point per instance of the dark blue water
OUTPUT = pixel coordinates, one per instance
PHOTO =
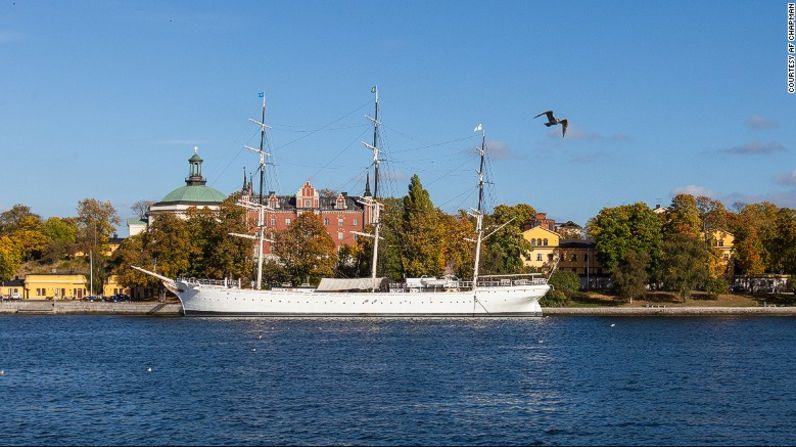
(84, 380)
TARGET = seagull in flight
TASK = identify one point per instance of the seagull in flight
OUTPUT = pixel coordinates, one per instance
(552, 121)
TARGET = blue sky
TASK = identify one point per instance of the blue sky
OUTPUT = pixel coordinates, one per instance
(106, 99)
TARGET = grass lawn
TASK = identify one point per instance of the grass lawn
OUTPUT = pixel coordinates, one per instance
(697, 299)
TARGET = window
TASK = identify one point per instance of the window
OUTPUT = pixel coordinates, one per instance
(307, 203)
(533, 242)
(574, 257)
(721, 242)
(550, 257)
(326, 221)
(287, 221)
(273, 221)
(339, 235)
(538, 242)
(545, 242)
(339, 221)
(539, 257)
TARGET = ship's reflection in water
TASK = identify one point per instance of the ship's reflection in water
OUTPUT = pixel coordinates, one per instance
(85, 380)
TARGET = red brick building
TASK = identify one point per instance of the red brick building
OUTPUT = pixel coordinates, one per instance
(340, 214)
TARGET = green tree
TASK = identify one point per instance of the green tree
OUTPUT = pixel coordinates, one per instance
(683, 216)
(630, 278)
(306, 249)
(564, 286)
(505, 249)
(783, 244)
(61, 236)
(422, 235)
(627, 227)
(685, 264)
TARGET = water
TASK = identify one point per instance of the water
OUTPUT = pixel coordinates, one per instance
(84, 380)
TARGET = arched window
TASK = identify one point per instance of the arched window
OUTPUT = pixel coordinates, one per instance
(533, 241)
(545, 242)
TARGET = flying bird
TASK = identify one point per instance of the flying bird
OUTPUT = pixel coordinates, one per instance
(552, 121)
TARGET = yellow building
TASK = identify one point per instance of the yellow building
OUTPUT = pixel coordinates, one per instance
(14, 288)
(57, 286)
(112, 287)
(580, 257)
(544, 245)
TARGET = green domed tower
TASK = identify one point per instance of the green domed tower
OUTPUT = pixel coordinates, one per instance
(195, 193)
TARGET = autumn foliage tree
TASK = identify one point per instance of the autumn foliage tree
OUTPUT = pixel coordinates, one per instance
(306, 250)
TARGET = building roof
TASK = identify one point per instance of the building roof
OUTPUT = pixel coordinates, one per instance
(288, 203)
(199, 194)
(135, 221)
(16, 282)
(577, 243)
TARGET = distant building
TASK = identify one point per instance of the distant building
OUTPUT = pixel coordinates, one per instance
(63, 286)
(195, 193)
(544, 245)
(570, 253)
(658, 209)
(13, 288)
(341, 214)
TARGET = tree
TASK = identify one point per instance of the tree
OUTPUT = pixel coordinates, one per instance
(630, 278)
(458, 251)
(754, 227)
(683, 216)
(564, 286)
(96, 221)
(685, 264)
(627, 227)
(11, 219)
(422, 235)
(712, 214)
(783, 245)
(61, 236)
(306, 249)
(28, 233)
(141, 208)
(505, 249)
(10, 258)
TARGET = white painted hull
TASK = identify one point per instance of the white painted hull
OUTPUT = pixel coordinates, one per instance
(198, 299)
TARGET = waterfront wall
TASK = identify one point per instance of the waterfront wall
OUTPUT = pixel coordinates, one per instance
(664, 311)
(23, 307)
(33, 307)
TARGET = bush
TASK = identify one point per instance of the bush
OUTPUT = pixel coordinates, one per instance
(716, 286)
(566, 282)
(554, 298)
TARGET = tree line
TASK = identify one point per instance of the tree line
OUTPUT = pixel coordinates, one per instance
(676, 250)
(639, 248)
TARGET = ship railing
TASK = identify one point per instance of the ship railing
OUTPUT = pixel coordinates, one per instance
(484, 281)
(209, 282)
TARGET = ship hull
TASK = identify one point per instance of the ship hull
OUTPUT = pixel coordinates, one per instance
(509, 301)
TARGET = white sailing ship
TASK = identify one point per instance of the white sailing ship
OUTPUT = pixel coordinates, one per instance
(483, 296)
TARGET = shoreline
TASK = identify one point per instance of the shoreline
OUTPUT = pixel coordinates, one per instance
(150, 308)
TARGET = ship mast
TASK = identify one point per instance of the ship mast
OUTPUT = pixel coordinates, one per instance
(479, 213)
(259, 206)
(373, 202)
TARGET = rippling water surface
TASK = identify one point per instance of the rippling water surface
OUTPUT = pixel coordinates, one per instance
(577, 380)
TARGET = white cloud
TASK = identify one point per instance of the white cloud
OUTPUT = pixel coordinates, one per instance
(787, 179)
(755, 148)
(694, 190)
(758, 122)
